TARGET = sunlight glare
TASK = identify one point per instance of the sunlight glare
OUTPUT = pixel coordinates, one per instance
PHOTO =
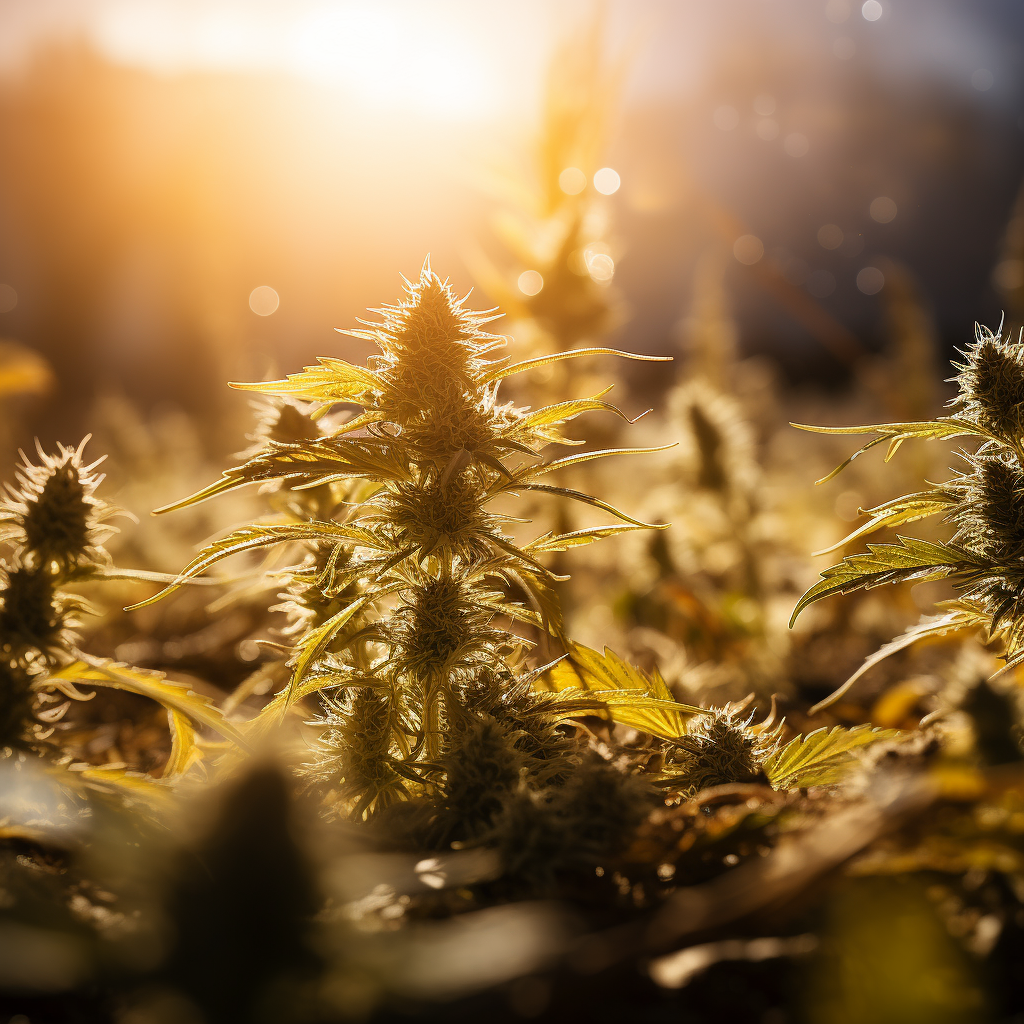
(391, 57)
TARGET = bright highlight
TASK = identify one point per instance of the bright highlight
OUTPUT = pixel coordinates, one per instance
(607, 181)
(264, 300)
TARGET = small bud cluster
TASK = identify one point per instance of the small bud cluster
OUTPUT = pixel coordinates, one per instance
(54, 527)
(985, 505)
(989, 509)
(720, 748)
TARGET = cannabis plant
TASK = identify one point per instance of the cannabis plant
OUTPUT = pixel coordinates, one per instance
(413, 605)
(982, 505)
(53, 526)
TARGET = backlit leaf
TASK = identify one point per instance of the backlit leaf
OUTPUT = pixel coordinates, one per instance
(820, 758)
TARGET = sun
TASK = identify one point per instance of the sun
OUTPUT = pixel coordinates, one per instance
(394, 56)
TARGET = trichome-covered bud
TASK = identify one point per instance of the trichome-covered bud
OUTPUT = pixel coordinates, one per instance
(442, 628)
(35, 617)
(991, 384)
(53, 513)
(438, 513)
(17, 705)
(482, 765)
(354, 750)
(990, 513)
(284, 421)
(718, 445)
(720, 748)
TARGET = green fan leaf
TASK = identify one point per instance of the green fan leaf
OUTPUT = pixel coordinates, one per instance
(185, 750)
(501, 372)
(820, 758)
(155, 685)
(650, 707)
(250, 538)
(586, 499)
(909, 559)
(897, 433)
(532, 472)
(899, 511)
(334, 380)
(564, 541)
(154, 795)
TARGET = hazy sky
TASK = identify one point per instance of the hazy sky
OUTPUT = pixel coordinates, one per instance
(499, 46)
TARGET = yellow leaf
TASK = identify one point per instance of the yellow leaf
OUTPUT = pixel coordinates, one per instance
(156, 686)
(644, 701)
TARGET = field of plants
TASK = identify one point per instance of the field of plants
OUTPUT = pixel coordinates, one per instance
(522, 653)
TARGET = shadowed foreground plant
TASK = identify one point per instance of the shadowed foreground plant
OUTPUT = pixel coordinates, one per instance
(984, 507)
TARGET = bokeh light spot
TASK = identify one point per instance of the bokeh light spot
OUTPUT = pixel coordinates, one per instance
(748, 249)
(607, 181)
(847, 505)
(572, 181)
(870, 280)
(821, 284)
(600, 264)
(837, 11)
(882, 210)
(764, 105)
(872, 10)
(830, 236)
(844, 47)
(796, 144)
(1009, 275)
(726, 118)
(8, 298)
(983, 80)
(264, 300)
(530, 282)
(767, 129)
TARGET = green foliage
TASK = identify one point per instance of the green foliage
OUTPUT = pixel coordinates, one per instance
(821, 758)
(405, 596)
(55, 527)
(631, 696)
(984, 506)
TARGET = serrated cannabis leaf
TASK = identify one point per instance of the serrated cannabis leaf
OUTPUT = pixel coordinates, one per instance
(648, 704)
(820, 758)
(908, 559)
(897, 433)
(251, 538)
(898, 512)
(156, 686)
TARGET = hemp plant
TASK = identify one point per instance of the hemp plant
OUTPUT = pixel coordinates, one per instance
(983, 507)
(433, 605)
(53, 527)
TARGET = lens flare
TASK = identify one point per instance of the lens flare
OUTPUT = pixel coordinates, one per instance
(530, 282)
(572, 181)
(263, 301)
(607, 181)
